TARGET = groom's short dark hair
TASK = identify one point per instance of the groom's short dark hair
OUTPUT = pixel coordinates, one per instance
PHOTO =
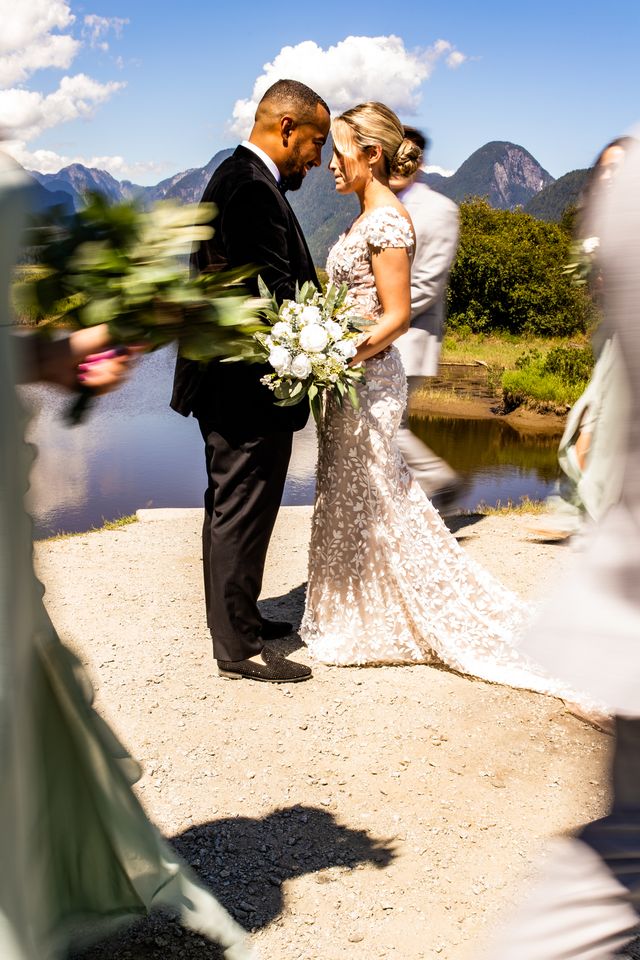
(293, 95)
(417, 136)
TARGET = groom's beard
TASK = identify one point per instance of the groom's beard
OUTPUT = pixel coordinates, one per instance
(294, 173)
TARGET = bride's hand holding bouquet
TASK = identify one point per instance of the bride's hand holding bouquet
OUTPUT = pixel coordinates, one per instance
(311, 344)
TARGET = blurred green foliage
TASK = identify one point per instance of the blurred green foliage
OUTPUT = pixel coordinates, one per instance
(117, 264)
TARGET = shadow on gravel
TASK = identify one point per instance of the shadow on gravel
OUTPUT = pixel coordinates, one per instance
(457, 521)
(288, 606)
(245, 862)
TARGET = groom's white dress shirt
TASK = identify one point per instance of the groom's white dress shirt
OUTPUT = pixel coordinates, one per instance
(266, 159)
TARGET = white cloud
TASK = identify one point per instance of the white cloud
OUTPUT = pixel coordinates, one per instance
(355, 69)
(456, 58)
(434, 168)
(95, 28)
(37, 35)
(24, 23)
(56, 50)
(48, 161)
(27, 42)
(25, 114)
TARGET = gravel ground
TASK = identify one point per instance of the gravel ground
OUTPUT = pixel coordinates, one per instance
(370, 813)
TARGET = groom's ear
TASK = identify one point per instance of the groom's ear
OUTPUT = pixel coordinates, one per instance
(287, 126)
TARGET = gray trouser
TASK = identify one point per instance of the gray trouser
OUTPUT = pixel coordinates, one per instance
(586, 906)
(432, 473)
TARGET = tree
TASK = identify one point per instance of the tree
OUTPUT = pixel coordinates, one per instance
(508, 275)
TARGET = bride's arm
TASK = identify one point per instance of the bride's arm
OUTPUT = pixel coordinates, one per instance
(392, 274)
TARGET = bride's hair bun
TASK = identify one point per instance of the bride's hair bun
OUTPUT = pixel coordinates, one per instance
(406, 159)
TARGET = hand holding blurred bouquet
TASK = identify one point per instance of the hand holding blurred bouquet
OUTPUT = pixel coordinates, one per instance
(119, 265)
(310, 344)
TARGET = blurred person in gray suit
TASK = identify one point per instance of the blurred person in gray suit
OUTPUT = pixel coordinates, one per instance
(587, 904)
(436, 224)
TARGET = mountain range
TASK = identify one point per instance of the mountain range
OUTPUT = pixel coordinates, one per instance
(507, 174)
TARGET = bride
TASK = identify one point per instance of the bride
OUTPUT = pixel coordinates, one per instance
(388, 583)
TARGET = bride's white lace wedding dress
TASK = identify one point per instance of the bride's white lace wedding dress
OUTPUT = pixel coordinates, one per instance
(388, 582)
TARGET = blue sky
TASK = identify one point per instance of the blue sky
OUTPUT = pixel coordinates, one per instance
(154, 85)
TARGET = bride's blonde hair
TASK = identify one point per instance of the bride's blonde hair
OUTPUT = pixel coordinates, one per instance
(369, 125)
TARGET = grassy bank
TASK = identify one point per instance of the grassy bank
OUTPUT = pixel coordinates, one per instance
(115, 524)
(539, 373)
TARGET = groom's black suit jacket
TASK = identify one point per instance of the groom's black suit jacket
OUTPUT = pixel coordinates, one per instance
(254, 225)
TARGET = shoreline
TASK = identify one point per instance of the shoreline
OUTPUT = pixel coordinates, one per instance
(522, 419)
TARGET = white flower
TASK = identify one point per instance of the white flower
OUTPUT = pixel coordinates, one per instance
(591, 244)
(309, 315)
(280, 360)
(281, 331)
(314, 338)
(333, 329)
(301, 366)
(346, 348)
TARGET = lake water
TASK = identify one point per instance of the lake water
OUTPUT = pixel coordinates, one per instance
(134, 451)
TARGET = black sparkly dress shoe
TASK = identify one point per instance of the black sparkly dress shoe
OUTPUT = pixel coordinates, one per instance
(273, 669)
(275, 629)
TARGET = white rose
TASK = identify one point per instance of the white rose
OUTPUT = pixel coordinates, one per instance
(346, 348)
(310, 315)
(333, 329)
(314, 338)
(591, 244)
(281, 331)
(280, 360)
(301, 366)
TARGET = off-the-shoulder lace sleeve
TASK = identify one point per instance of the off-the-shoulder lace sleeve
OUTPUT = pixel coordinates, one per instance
(386, 227)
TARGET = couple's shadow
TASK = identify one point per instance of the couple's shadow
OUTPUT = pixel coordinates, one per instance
(288, 606)
(244, 862)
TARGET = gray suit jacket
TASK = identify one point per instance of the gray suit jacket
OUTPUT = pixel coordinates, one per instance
(436, 223)
(590, 632)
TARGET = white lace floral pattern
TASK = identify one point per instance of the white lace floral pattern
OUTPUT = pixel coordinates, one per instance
(388, 583)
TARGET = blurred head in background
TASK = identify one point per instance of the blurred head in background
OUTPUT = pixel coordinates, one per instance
(604, 169)
(397, 182)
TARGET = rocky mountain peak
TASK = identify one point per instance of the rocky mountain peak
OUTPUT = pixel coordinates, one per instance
(504, 172)
(516, 171)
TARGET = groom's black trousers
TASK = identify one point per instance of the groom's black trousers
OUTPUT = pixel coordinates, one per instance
(246, 480)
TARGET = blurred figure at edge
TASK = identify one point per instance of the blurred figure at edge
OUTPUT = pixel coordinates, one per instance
(587, 904)
(79, 856)
(436, 224)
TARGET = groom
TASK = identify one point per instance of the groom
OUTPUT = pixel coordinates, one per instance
(247, 437)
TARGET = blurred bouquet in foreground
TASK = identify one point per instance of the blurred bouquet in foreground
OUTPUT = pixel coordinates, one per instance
(310, 344)
(120, 265)
(582, 260)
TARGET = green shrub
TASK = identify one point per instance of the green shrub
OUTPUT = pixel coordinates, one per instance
(557, 377)
(531, 386)
(508, 276)
(572, 364)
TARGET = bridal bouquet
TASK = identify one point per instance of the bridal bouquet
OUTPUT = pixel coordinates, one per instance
(309, 345)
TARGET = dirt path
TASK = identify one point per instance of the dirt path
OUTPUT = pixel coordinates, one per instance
(370, 813)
